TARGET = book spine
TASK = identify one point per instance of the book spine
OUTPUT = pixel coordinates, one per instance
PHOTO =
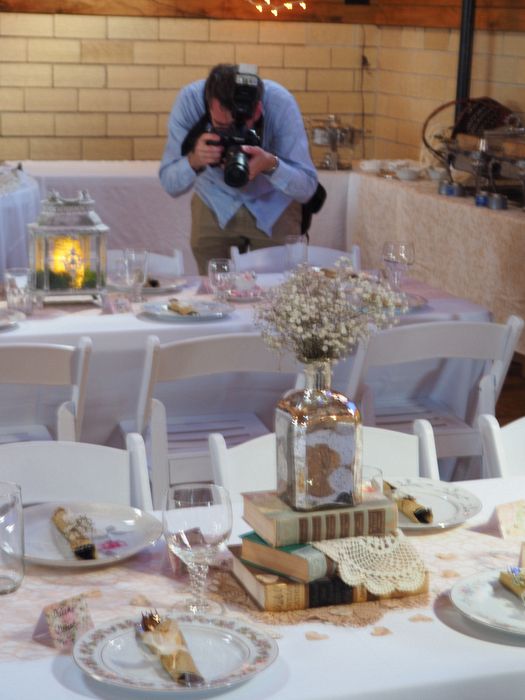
(312, 527)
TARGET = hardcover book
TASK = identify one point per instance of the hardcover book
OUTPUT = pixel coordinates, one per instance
(278, 593)
(279, 525)
(302, 562)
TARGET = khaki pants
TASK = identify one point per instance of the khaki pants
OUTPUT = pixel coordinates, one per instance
(209, 241)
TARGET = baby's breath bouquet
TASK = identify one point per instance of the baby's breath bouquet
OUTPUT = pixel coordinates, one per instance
(322, 314)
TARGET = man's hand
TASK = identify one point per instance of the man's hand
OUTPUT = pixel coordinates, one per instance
(207, 151)
(260, 161)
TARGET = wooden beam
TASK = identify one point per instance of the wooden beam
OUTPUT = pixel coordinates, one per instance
(505, 15)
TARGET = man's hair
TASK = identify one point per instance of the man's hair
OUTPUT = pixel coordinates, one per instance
(220, 85)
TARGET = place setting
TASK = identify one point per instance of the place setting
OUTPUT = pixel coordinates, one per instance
(194, 645)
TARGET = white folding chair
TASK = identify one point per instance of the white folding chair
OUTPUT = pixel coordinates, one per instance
(503, 447)
(178, 445)
(273, 258)
(456, 435)
(44, 365)
(158, 265)
(252, 465)
(61, 471)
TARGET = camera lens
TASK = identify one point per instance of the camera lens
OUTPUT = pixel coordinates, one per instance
(236, 172)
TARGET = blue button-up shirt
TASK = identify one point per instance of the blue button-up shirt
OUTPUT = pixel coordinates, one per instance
(266, 196)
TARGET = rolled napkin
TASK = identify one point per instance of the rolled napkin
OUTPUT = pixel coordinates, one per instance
(164, 638)
(514, 580)
(408, 505)
(181, 308)
(78, 530)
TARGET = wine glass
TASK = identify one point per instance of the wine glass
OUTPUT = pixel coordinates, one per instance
(220, 276)
(397, 257)
(296, 250)
(197, 519)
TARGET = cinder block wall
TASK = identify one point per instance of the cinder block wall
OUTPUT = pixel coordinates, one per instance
(93, 87)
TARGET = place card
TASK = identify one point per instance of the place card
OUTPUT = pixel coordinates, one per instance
(116, 303)
(61, 624)
(511, 519)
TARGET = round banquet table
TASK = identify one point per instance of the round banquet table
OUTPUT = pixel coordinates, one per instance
(18, 207)
(427, 650)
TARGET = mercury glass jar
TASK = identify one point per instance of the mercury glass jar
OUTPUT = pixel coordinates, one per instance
(318, 444)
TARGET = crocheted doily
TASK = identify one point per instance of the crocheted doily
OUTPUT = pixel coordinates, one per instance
(381, 564)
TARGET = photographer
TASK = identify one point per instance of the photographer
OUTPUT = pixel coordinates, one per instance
(241, 143)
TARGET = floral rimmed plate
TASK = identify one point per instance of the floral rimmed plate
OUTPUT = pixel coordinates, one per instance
(226, 652)
(119, 533)
(7, 325)
(415, 301)
(164, 286)
(204, 311)
(451, 505)
(482, 598)
(245, 296)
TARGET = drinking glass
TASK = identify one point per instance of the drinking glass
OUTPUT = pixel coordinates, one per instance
(11, 538)
(220, 276)
(197, 519)
(136, 268)
(397, 257)
(19, 289)
(296, 251)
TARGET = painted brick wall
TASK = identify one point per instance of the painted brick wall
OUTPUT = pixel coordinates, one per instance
(89, 87)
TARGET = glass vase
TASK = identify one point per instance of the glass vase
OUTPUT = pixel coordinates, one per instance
(318, 444)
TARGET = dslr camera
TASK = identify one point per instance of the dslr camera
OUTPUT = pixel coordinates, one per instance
(234, 159)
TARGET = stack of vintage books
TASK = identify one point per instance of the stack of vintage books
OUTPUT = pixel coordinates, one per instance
(282, 571)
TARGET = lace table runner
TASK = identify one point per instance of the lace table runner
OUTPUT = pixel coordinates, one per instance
(147, 580)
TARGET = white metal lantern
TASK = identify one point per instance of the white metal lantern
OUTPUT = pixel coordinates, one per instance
(67, 246)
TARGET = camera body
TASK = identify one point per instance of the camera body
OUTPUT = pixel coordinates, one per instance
(235, 161)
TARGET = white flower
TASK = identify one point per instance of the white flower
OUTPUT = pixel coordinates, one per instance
(320, 316)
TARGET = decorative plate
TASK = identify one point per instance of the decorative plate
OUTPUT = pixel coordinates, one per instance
(226, 652)
(482, 598)
(415, 301)
(451, 505)
(204, 311)
(165, 286)
(7, 324)
(119, 533)
(245, 296)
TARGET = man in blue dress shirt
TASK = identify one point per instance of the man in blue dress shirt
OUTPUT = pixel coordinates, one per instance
(240, 142)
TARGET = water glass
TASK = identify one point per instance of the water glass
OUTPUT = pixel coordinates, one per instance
(221, 277)
(296, 251)
(136, 268)
(11, 537)
(397, 257)
(19, 289)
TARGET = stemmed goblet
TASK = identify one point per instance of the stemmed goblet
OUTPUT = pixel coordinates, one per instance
(220, 276)
(397, 257)
(197, 519)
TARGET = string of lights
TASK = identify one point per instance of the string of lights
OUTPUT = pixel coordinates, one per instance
(275, 7)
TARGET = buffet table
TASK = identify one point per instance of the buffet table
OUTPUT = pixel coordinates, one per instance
(130, 200)
(419, 647)
(19, 205)
(472, 252)
(119, 343)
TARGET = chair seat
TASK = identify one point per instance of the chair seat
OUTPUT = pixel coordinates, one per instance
(453, 437)
(23, 433)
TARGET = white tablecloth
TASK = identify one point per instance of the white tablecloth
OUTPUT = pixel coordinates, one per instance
(18, 208)
(118, 351)
(130, 200)
(428, 652)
